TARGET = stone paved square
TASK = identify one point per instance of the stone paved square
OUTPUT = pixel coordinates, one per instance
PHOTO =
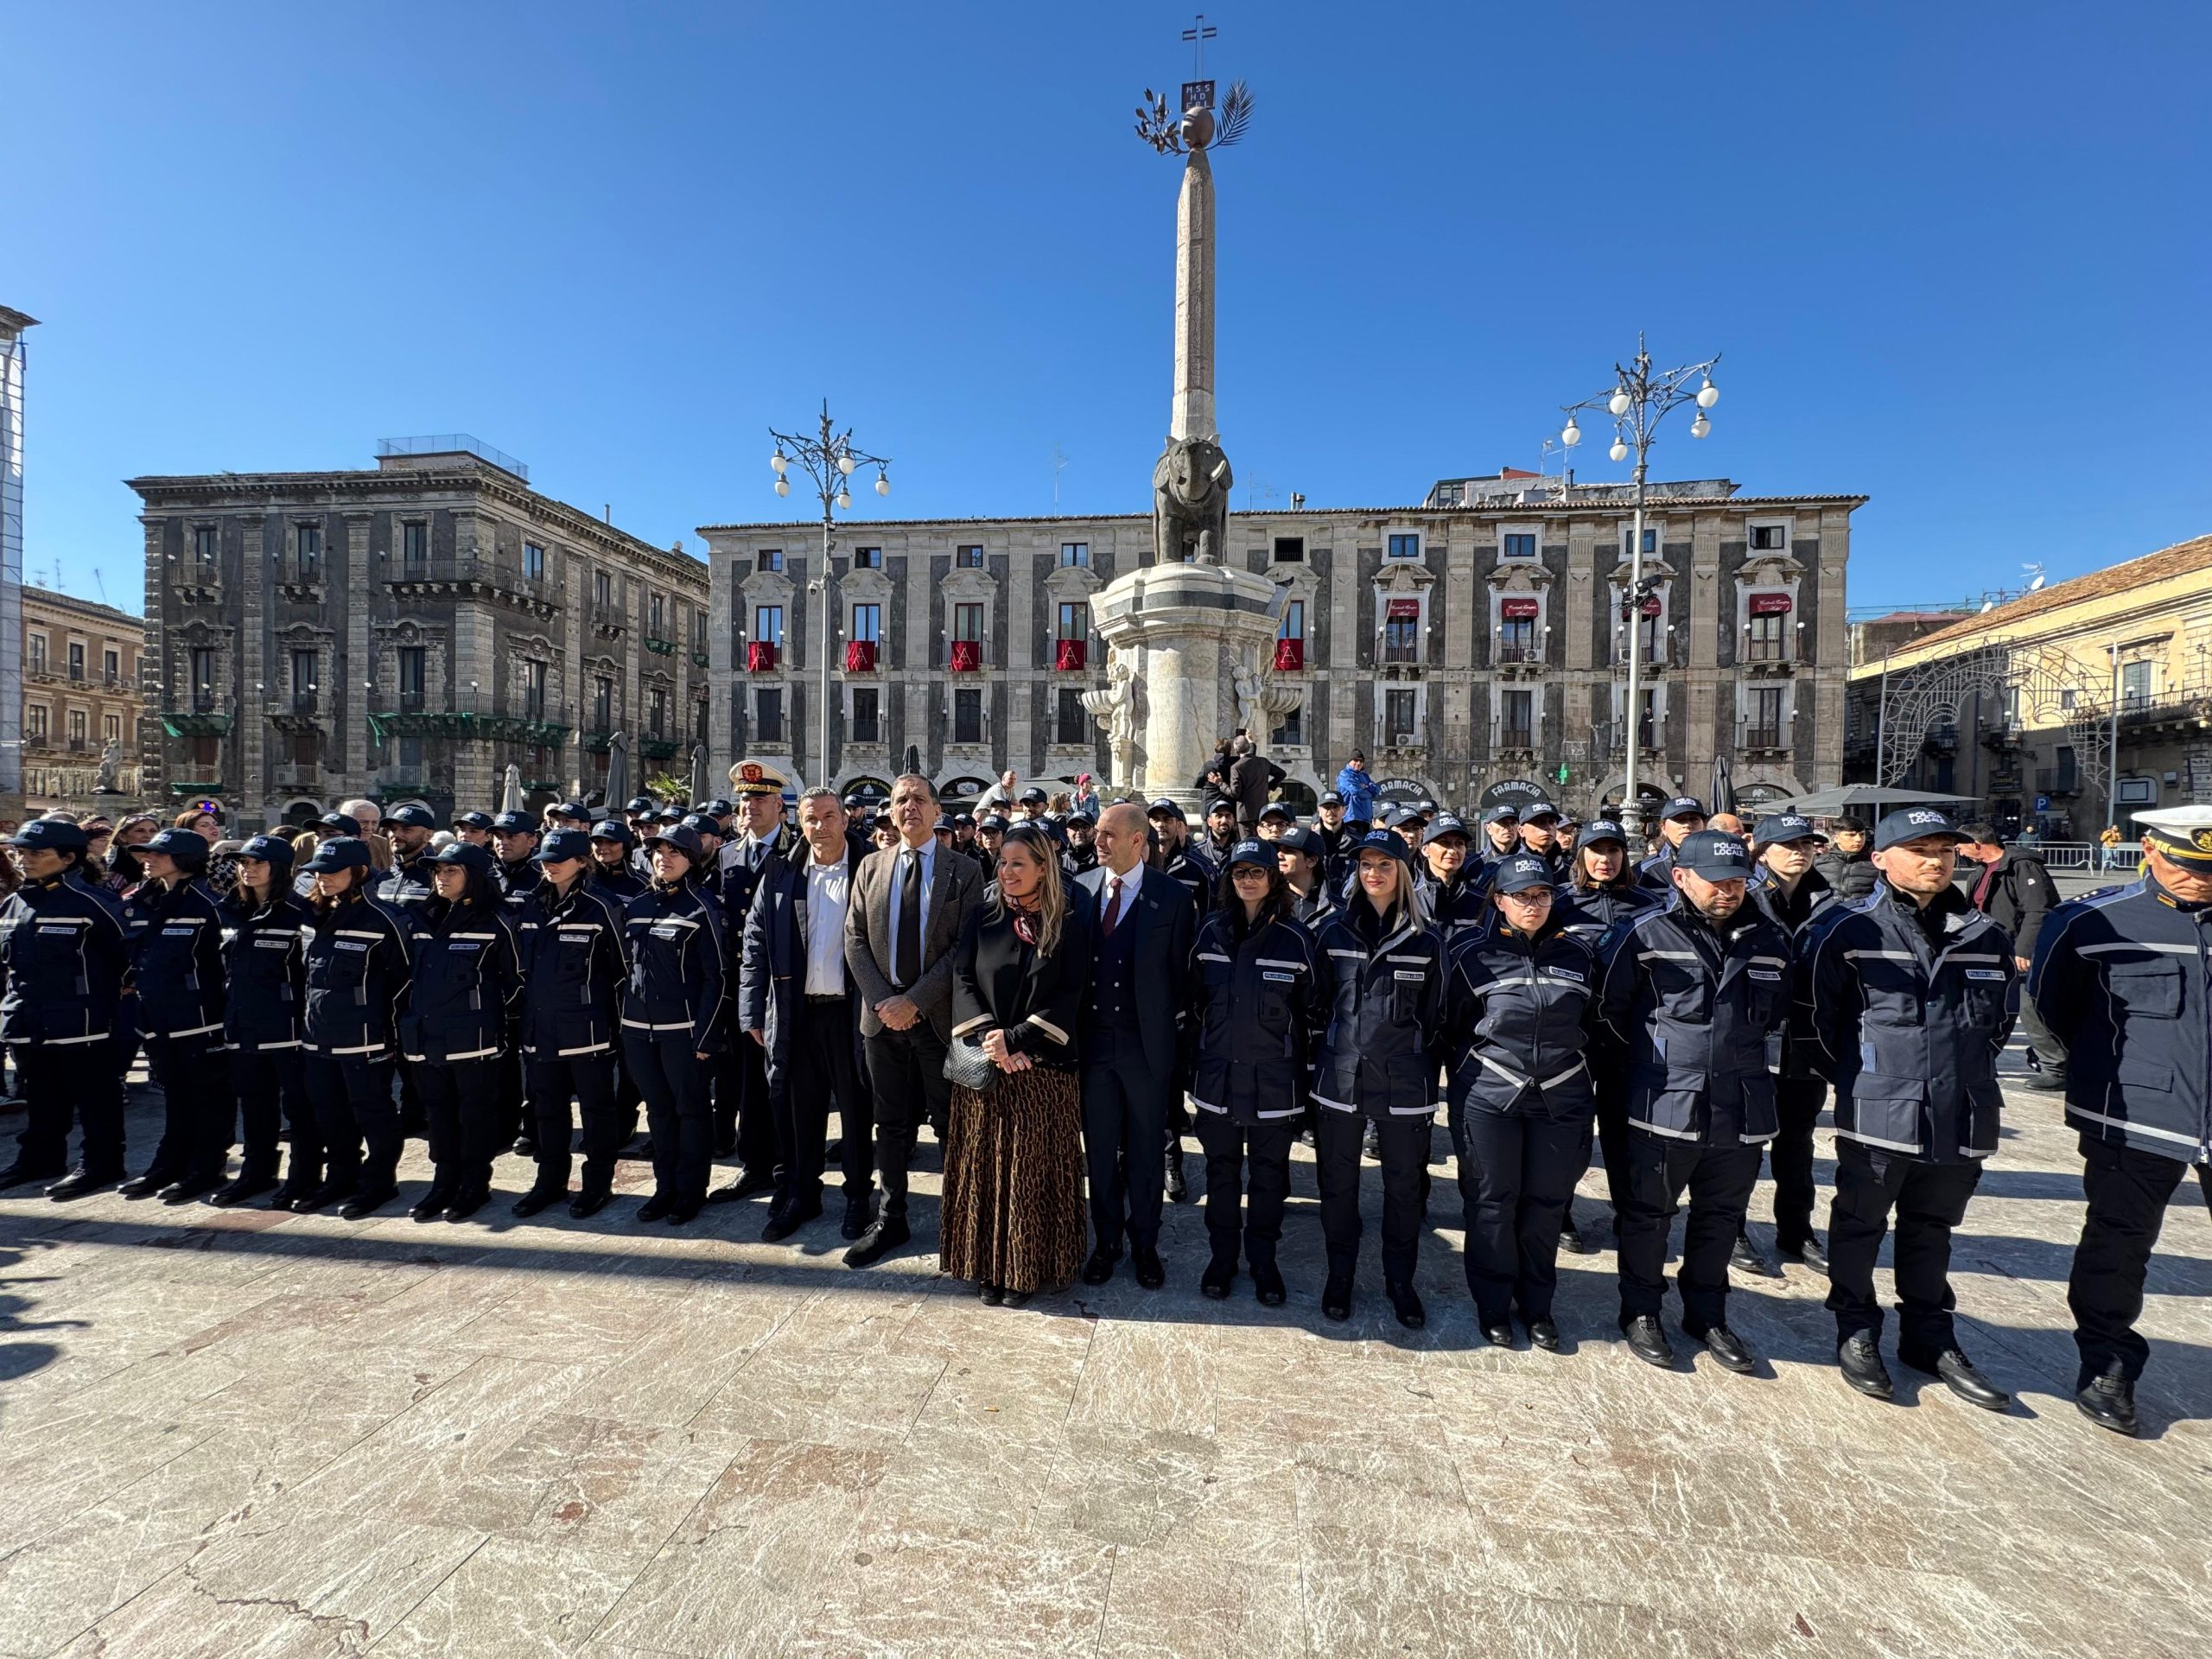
(228, 1433)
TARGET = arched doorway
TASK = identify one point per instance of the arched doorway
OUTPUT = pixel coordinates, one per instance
(1404, 791)
(301, 814)
(1516, 792)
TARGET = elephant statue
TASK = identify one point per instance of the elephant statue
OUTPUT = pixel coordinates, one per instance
(1190, 503)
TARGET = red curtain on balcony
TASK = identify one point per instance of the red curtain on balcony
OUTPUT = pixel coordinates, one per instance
(1069, 655)
(859, 655)
(967, 656)
(760, 657)
(1290, 656)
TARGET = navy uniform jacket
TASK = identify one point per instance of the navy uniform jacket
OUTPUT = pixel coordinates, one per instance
(409, 883)
(1195, 872)
(1382, 1008)
(517, 881)
(772, 973)
(357, 972)
(616, 883)
(1516, 1017)
(1254, 1009)
(1450, 908)
(1589, 913)
(1785, 1049)
(1657, 872)
(467, 982)
(739, 868)
(176, 958)
(673, 939)
(264, 970)
(573, 967)
(1691, 1004)
(2123, 978)
(63, 952)
(1908, 1028)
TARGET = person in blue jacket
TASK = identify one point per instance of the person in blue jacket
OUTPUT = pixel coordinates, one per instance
(64, 951)
(672, 1021)
(464, 988)
(265, 967)
(1355, 789)
(1380, 990)
(2123, 979)
(176, 975)
(1516, 1017)
(357, 972)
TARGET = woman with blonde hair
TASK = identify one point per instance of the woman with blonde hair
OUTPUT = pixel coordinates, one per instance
(1012, 1215)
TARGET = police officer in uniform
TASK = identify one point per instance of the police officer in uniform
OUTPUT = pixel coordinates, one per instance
(64, 951)
(1082, 854)
(1683, 816)
(612, 873)
(1690, 993)
(745, 1118)
(475, 828)
(514, 839)
(264, 973)
(1539, 824)
(1176, 859)
(1304, 862)
(1335, 835)
(2123, 979)
(1501, 835)
(176, 975)
(673, 1022)
(409, 828)
(1449, 896)
(569, 938)
(1907, 995)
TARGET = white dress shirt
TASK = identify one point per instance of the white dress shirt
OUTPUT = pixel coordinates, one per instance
(1130, 882)
(927, 853)
(826, 891)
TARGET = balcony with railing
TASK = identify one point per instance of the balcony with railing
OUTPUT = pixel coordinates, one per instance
(966, 657)
(1762, 737)
(2186, 700)
(610, 619)
(302, 711)
(1512, 740)
(298, 579)
(196, 582)
(486, 579)
(467, 717)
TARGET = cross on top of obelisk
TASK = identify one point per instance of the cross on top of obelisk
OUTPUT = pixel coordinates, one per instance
(1198, 92)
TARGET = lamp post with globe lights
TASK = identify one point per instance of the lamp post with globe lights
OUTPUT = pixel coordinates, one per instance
(1638, 400)
(830, 458)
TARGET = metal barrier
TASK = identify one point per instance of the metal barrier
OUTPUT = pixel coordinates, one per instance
(2087, 855)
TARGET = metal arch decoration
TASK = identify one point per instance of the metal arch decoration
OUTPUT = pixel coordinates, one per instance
(2030, 682)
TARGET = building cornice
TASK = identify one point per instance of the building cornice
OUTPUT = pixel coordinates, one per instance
(91, 610)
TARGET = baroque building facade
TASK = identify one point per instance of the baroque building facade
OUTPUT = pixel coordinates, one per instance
(81, 705)
(407, 632)
(1474, 647)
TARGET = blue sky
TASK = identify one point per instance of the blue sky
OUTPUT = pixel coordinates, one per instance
(1955, 255)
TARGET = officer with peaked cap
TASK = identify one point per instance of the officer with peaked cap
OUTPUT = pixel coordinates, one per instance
(2123, 979)
(745, 1120)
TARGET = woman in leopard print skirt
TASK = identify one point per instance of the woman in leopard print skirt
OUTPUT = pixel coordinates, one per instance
(1012, 1215)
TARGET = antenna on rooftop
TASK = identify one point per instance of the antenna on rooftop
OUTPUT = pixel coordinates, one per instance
(1060, 466)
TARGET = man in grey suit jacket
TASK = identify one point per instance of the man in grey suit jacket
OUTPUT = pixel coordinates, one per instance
(908, 904)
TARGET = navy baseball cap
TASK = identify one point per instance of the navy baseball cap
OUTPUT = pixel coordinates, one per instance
(1603, 829)
(1220, 804)
(1911, 823)
(1164, 805)
(700, 824)
(943, 826)
(53, 836)
(466, 853)
(992, 822)
(1033, 796)
(509, 823)
(1503, 814)
(1084, 819)
(609, 829)
(414, 816)
(339, 853)
(719, 808)
(680, 837)
(343, 823)
(1303, 839)
(1683, 806)
(963, 820)
(1442, 825)
(1715, 855)
(178, 844)
(641, 804)
(270, 849)
(1386, 815)
(1330, 798)
(1520, 872)
(561, 843)
(1261, 853)
(1280, 810)
(1778, 827)
(1536, 810)
(1383, 841)
(573, 809)
(472, 821)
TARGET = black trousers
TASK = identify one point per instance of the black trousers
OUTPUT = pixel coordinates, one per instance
(266, 1084)
(745, 1110)
(677, 1112)
(353, 1104)
(1930, 1199)
(1612, 1147)
(1125, 1149)
(822, 1069)
(1719, 1180)
(83, 1080)
(2128, 1191)
(197, 1110)
(906, 1069)
(1797, 1103)
(1516, 1174)
(1402, 1145)
(610, 1117)
(464, 1110)
(1230, 1149)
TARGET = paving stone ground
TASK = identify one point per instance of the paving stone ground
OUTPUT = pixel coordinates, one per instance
(231, 1433)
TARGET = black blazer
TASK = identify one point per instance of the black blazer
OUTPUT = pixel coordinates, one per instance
(1167, 924)
(999, 982)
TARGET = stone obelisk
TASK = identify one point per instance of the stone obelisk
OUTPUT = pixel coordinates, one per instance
(1190, 640)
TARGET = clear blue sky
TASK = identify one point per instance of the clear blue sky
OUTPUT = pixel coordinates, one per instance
(1956, 255)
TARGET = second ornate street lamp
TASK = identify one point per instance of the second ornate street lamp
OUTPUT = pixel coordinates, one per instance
(1638, 402)
(830, 459)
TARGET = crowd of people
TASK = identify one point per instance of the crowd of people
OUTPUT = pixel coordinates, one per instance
(1062, 991)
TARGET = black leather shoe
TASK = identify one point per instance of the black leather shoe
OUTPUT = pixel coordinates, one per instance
(656, 1207)
(1811, 1253)
(323, 1197)
(472, 1199)
(2109, 1402)
(1746, 1258)
(1960, 1376)
(525, 1145)
(1336, 1295)
(185, 1188)
(432, 1204)
(993, 1296)
(20, 1173)
(1017, 1298)
(1648, 1341)
(590, 1202)
(1545, 1335)
(287, 1196)
(834, 1152)
(783, 1223)
(535, 1201)
(1729, 1348)
(238, 1191)
(859, 1215)
(1498, 1336)
(1100, 1267)
(1860, 1356)
(2045, 1081)
(1179, 1189)
(1570, 1236)
(1220, 1275)
(1151, 1273)
(1406, 1304)
(146, 1186)
(888, 1233)
(748, 1182)
(684, 1212)
(367, 1204)
(78, 1183)
(1267, 1284)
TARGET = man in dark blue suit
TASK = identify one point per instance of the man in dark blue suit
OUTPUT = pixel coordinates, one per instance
(1131, 1041)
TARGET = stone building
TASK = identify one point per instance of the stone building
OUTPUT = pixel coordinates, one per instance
(80, 702)
(1471, 645)
(407, 632)
(2015, 707)
(14, 357)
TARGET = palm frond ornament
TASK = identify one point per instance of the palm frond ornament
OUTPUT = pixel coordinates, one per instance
(1196, 125)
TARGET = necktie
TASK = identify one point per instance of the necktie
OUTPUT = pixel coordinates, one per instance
(1113, 908)
(908, 967)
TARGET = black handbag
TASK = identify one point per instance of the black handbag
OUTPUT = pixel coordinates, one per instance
(967, 1065)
